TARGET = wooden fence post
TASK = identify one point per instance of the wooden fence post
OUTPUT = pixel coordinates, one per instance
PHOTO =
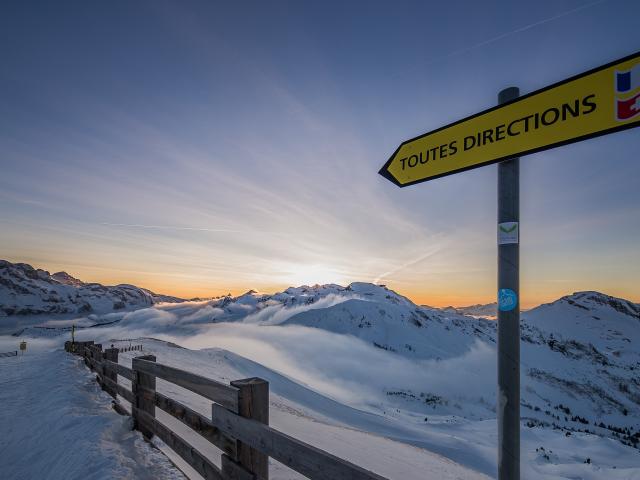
(97, 364)
(93, 355)
(86, 351)
(144, 400)
(85, 346)
(97, 360)
(253, 402)
(110, 373)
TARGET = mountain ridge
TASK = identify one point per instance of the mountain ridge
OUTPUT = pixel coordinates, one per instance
(25, 290)
(579, 354)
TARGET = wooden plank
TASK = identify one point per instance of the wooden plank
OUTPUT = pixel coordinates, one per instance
(197, 422)
(253, 402)
(94, 349)
(234, 471)
(225, 395)
(193, 457)
(121, 390)
(301, 457)
(83, 350)
(87, 357)
(142, 402)
(120, 410)
(91, 363)
(100, 370)
(125, 393)
(123, 371)
(87, 344)
(110, 358)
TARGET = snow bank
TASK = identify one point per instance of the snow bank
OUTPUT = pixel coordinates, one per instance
(55, 422)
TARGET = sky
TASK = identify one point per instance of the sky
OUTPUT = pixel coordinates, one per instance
(199, 148)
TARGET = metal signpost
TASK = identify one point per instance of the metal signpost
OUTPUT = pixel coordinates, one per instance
(601, 101)
(508, 311)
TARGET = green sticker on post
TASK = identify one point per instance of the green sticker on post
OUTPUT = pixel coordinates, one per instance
(508, 233)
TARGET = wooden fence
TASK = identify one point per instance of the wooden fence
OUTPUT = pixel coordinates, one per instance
(9, 354)
(130, 348)
(239, 423)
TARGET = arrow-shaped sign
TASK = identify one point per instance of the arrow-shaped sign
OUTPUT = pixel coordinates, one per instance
(597, 102)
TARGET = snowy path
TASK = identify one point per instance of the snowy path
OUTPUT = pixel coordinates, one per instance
(58, 424)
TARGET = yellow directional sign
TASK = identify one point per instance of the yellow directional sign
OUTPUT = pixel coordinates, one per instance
(597, 102)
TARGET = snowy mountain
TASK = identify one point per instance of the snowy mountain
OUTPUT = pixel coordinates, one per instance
(489, 310)
(580, 354)
(373, 313)
(581, 358)
(366, 358)
(25, 290)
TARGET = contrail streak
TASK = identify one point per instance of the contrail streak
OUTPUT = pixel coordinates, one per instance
(518, 30)
(172, 227)
(407, 264)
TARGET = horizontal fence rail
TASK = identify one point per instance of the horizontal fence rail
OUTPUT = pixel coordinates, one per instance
(195, 459)
(196, 422)
(301, 457)
(225, 395)
(121, 370)
(239, 423)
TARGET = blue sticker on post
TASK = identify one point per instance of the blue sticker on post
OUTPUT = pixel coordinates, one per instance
(507, 299)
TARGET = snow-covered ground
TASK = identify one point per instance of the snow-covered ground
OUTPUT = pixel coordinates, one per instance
(56, 423)
(406, 391)
(396, 443)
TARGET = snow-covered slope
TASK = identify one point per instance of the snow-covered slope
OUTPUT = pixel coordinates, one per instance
(25, 290)
(366, 358)
(580, 354)
(581, 357)
(57, 423)
(489, 310)
(373, 313)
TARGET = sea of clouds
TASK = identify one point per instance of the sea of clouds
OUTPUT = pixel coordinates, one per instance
(343, 367)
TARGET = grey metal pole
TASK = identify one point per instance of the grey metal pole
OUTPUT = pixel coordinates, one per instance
(508, 312)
